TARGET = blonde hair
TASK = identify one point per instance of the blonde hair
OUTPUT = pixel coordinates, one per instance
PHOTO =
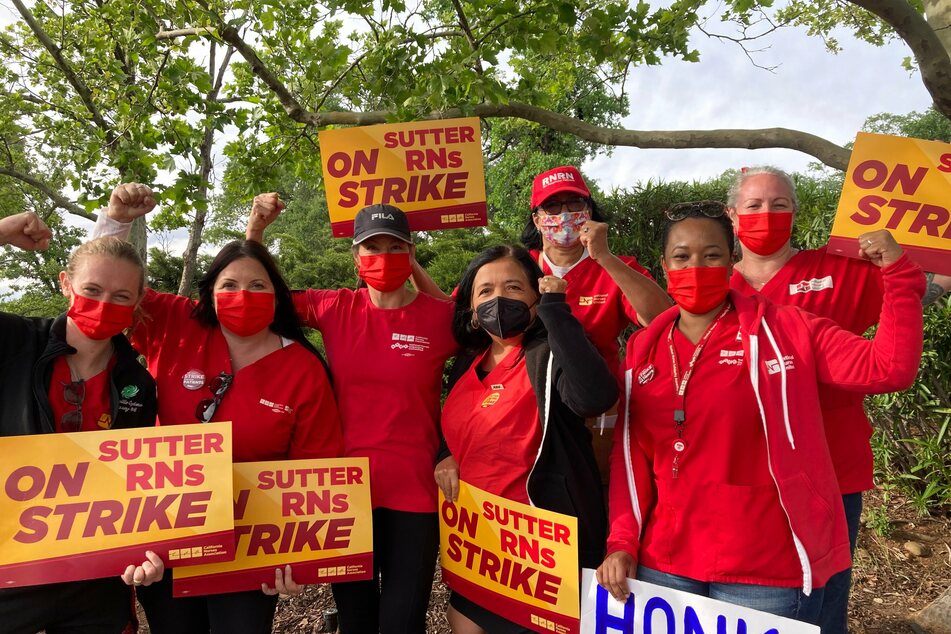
(112, 247)
(734, 191)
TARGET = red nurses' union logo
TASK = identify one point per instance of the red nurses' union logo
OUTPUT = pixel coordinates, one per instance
(194, 380)
(645, 375)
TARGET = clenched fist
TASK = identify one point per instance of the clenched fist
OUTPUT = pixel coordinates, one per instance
(130, 201)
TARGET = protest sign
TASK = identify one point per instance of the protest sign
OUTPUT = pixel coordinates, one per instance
(899, 184)
(652, 609)
(86, 505)
(516, 560)
(432, 170)
(313, 514)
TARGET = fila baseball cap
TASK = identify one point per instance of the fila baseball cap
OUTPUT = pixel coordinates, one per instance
(380, 220)
(561, 179)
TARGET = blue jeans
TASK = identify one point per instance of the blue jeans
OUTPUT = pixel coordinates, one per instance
(788, 602)
(834, 617)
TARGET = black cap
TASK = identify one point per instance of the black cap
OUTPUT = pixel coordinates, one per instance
(380, 219)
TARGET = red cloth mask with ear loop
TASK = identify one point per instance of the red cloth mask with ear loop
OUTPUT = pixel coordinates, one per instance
(764, 233)
(386, 271)
(99, 320)
(245, 313)
(700, 289)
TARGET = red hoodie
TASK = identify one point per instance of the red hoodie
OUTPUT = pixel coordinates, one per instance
(797, 516)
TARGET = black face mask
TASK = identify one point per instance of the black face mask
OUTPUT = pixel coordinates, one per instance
(504, 317)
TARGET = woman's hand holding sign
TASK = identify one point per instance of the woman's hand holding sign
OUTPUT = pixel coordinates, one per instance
(145, 574)
(447, 477)
(283, 583)
(614, 572)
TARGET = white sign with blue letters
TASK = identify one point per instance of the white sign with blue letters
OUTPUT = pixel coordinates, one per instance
(652, 609)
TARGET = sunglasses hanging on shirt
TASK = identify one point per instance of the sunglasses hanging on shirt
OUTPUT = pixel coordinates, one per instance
(218, 386)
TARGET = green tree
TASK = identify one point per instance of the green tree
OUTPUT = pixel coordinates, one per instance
(101, 92)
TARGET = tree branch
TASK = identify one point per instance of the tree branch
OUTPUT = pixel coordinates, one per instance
(826, 151)
(473, 44)
(176, 33)
(932, 58)
(58, 199)
(85, 94)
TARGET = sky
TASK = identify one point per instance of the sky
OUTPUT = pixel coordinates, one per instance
(811, 90)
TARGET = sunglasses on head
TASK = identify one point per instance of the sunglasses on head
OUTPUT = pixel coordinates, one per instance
(708, 208)
(74, 393)
(218, 386)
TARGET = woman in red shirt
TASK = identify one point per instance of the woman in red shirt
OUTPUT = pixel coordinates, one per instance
(387, 345)
(514, 417)
(722, 483)
(236, 354)
(76, 373)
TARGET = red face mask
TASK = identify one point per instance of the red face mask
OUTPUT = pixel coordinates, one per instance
(700, 289)
(99, 320)
(385, 272)
(245, 313)
(765, 233)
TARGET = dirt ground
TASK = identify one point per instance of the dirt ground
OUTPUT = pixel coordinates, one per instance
(889, 583)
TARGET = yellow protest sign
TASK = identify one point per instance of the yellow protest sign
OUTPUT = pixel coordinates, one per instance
(899, 184)
(88, 504)
(432, 170)
(516, 560)
(313, 514)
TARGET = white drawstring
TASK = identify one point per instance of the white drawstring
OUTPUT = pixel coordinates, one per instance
(782, 383)
(804, 562)
(628, 461)
(544, 421)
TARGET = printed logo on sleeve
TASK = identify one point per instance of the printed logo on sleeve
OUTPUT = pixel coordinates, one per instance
(808, 286)
(591, 300)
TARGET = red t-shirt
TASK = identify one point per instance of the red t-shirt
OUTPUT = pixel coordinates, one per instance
(849, 292)
(720, 519)
(280, 407)
(492, 429)
(598, 303)
(96, 405)
(387, 368)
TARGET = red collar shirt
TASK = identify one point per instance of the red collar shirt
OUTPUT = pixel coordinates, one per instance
(387, 368)
(492, 429)
(598, 303)
(280, 407)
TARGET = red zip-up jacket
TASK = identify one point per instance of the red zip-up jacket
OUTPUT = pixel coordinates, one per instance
(812, 350)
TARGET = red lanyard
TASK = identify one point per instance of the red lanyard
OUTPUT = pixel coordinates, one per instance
(680, 384)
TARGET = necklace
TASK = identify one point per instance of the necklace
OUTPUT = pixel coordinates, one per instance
(680, 384)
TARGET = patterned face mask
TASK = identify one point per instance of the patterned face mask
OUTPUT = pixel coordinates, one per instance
(562, 230)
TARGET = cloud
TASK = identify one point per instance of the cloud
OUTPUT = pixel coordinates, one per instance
(811, 90)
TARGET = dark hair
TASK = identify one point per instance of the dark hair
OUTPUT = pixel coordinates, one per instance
(285, 321)
(476, 339)
(531, 239)
(721, 221)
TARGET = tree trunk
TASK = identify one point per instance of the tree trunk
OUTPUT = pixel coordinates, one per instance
(938, 14)
(138, 237)
(190, 257)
